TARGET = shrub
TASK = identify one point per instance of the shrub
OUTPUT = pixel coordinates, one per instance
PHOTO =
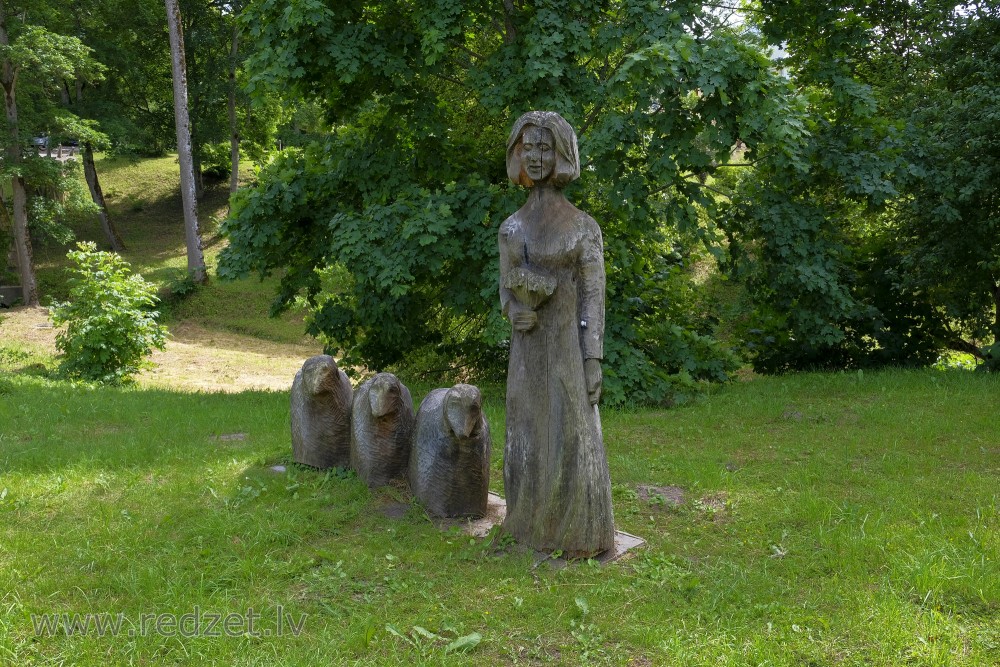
(111, 322)
(216, 161)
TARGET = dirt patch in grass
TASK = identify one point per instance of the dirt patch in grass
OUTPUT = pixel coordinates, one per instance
(201, 359)
(28, 326)
(715, 502)
(196, 358)
(715, 506)
(671, 496)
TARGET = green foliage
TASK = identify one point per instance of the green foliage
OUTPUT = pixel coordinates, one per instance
(949, 229)
(659, 323)
(881, 248)
(216, 161)
(48, 55)
(134, 101)
(59, 198)
(408, 190)
(111, 324)
(894, 327)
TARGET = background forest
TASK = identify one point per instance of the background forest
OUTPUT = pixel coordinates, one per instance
(794, 184)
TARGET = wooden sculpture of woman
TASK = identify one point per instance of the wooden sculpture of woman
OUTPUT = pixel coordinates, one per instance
(552, 291)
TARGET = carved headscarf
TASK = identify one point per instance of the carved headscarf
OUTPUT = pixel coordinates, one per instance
(567, 155)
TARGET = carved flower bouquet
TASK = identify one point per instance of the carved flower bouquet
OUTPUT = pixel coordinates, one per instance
(531, 288)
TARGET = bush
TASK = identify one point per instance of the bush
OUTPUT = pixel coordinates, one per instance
(111, 322)
(216, 161)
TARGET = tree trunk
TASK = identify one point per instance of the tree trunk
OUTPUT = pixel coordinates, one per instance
(234, 133)
(199, 177)
(12, 257)
(94, 183)
(90, 173)
(22, 240)
(195, 255)
(996, 312)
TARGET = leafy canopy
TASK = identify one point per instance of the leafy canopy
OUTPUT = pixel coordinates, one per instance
(883, 250)
(401, 202)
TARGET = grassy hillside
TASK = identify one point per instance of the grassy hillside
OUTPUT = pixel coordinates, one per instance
(833, 519)
(144, 201)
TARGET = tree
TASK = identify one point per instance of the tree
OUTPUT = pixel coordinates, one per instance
(33, 53)
(89, 141)
(9, 69)
(949, 245)
(402, 199)
(195, 255)
(878, 250)
(133, 103)
(234, 130)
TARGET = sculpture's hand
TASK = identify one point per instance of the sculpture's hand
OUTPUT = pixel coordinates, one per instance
(524, 319)
(593, 375)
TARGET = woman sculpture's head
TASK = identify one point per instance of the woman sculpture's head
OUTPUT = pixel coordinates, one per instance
(542, 147)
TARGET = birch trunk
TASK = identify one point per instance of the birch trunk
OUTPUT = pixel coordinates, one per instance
(195, 255)
(22, 238)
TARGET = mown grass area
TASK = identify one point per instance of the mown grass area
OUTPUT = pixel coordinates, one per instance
(143, 198)
(828, 519)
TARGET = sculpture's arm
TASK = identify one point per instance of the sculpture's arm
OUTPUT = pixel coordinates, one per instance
(506, 296)
(520, 316)
(592, 293)
(591, 323)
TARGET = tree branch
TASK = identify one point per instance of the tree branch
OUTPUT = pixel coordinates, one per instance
(959, 344)
(510, 32)
(452, 80)
(708, 187)
(462, 47)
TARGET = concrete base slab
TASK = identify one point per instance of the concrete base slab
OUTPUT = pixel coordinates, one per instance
(496, 510)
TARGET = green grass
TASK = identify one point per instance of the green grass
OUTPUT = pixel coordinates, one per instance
(831, 519)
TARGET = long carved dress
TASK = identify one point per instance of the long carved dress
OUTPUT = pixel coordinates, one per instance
(555, 469)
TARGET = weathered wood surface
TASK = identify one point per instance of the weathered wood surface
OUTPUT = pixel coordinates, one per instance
(321, 414)
(449, 468)
(381, 429)
(552, 286)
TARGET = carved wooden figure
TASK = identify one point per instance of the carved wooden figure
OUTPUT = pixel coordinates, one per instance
(321, 414)
(450, 457)
(552, 291)
(381, 429)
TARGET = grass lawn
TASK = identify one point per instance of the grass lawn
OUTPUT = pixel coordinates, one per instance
(827, 519)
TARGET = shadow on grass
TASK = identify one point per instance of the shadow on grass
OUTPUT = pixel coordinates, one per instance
(49, 425)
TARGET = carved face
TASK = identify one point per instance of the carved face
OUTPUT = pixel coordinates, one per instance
(463, 409)
(384, 395)
(538, 152)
